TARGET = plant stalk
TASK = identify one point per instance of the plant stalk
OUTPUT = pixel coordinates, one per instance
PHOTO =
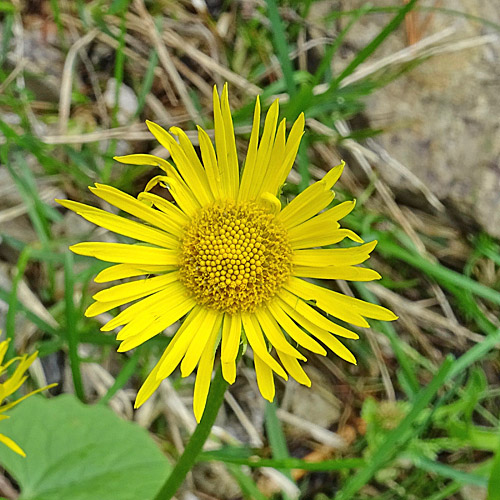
(197, 440)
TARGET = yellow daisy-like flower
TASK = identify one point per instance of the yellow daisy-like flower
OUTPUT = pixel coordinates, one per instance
(11, 385)
(228, 258)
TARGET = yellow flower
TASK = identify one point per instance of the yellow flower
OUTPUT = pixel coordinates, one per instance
(11, 385)
(228, 258)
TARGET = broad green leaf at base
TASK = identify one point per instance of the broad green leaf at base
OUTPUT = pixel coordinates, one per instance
(80, 452)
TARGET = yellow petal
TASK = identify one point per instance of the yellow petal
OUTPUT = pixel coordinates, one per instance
(324, 300)
(210, 162)
(164, 321)
(153, 381)
(231, 336)
(249, 170)
(367, 309)
(256, 340)
(332, 302)
(265, 379)
(328, 218)
(272, 202)
(323, 335)
(348, 273)
(230, 143)
(182, 340)
(185, 159)
(264, 151)
(332, 343)
(136, 289)
(281, 166)
(274, 334)
(150, 385)
(292, 366)
(334, 256)
(12, 445)
(295, 134)
(121, 271)
(286, 162)
(187, 154)
(120, 225)
(291, 148)
(275, 160)
(127, 254)
(175, 215)
(341, 210)
(293, 330)
(199, 342)
(19, 400)
(179, 190)
(10, 386)
(132, 206)
(323, 236)
(144, 313)
(155, 301)
(204, 376)
(16, 379)
(144, 159)
(299, 311)
(312, 200)
(220, 146)
(4, 345)
(101, 307)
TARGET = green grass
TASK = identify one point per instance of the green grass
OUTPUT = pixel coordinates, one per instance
(442, 431)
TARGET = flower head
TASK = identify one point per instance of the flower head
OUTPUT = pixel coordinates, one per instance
(228, 258)
(11, 384)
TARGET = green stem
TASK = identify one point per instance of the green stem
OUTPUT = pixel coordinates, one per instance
(72, 327)
(195, 444)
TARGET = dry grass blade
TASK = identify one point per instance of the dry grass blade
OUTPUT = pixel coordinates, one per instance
(323, 436)
(166, 60)
(381, 187)
(422, 314)
(67, 78)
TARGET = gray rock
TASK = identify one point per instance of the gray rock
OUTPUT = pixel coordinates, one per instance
(441, 119)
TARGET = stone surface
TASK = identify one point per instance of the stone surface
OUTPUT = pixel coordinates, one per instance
(441, 119)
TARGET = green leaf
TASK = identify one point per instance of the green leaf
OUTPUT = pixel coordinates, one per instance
(494, 483)
(281, 45)
(444, 470)
(118, 6)
(398, 437)
(80, 452)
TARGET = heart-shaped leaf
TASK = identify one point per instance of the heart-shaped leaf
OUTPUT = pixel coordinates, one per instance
(80, 452)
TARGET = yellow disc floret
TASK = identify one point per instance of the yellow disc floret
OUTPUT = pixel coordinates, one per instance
(234, 256)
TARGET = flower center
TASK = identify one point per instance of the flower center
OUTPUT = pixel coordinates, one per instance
(234, 256)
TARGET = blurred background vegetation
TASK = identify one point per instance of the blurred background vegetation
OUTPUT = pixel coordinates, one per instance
(406, 93)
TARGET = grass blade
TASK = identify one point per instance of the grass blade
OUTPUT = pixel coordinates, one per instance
(442, 274)
(494, 483)
(396, 438)
(281, 45)
(277, 440)
(123, 377)
(246, 483)
(39, 322)
(367, 51)
(71, 326)
(287, 463)
(449, 472)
